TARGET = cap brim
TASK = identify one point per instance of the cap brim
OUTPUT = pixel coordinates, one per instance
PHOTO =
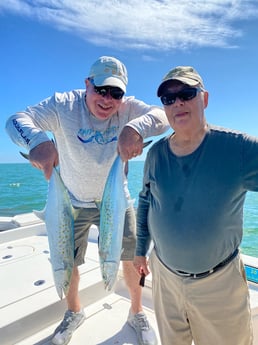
(187, 81)
(111, 81)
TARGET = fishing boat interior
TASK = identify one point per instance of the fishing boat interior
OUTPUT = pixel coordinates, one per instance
(30, 308)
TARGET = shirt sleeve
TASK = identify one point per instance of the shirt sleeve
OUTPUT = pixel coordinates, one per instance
(143, 235)
(28, 128)
(147, 120)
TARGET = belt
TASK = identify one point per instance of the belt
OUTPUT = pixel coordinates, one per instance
(207, 273)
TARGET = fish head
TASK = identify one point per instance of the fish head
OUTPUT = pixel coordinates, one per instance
(109, 273)
(62, 278)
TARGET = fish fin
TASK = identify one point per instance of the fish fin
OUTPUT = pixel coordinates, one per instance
(59, 291)
(98, 204)
(25, 155)
(146, 143)
(40, 214)
(74, 211)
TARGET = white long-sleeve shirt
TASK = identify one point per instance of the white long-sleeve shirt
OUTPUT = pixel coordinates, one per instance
(86, 145)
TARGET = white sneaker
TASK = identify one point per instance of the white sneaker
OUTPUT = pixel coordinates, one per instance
(64, 331)
(145, 333)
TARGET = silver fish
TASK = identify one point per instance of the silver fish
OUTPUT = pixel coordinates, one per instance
(58, 216)
(113, 206)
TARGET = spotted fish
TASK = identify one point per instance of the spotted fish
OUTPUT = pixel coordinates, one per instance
(58, 216)
(113, 206)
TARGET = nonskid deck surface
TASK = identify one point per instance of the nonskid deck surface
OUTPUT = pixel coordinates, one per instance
(30, 308)
(105, 324)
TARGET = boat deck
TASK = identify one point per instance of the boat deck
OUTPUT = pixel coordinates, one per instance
(30, 308)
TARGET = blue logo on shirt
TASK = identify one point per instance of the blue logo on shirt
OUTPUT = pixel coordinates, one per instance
(102, 138)
(21, 131)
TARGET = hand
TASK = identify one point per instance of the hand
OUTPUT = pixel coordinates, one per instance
(130, 143)
(44, 157)
(141, 265)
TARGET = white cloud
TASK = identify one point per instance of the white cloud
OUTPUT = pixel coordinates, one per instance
(143, 24)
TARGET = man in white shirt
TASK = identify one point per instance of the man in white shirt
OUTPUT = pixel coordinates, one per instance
(89, 128)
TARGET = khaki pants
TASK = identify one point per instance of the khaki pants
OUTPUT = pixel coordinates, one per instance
(211, 311)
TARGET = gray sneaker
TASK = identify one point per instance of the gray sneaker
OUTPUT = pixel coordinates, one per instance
(145, 333)
(64, 331)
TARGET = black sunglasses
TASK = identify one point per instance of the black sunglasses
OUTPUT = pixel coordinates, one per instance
(184, 95)
(115, 92)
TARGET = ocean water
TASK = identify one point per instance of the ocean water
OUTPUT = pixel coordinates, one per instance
(24, 189)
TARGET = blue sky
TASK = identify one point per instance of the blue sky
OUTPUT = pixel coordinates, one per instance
(49, 45)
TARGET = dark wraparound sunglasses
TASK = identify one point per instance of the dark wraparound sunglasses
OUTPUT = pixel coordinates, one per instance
(184, 95)
(114, 92)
